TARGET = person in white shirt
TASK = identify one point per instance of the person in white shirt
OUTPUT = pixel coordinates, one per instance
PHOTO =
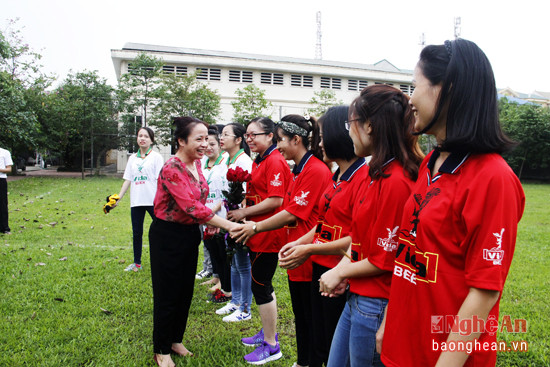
(140, 175)
(5, 167)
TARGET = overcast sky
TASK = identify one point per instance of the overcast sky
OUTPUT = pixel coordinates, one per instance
(79, 35)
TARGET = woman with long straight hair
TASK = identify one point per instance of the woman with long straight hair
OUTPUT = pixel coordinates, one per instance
(140, 176)
(458, 232)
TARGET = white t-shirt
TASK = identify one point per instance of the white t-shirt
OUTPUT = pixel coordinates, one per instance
(241, 159)
(217, 182)
(143, 174)
(5, 160)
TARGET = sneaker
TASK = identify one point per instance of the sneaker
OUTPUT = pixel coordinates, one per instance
(264, 353)
(203, 274)
(219, 297)
(257, 340)
(238, 315)
(133, 267)
(228, 308)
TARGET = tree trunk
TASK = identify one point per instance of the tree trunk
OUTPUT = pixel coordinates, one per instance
(522, 163)
(98, 159)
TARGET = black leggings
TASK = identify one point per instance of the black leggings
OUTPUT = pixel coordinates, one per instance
(301, 306)
(174, 255)
(138, 216)
(263, 266)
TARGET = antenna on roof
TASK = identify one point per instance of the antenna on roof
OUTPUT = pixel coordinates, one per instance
(318, 50)
(457, 27)
(422, 42)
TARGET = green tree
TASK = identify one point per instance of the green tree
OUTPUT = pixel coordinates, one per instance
(20, 76)
(137, 87)
(182, 96)
(86, 109)
(529, 125)
(250, 103)
(322, 101)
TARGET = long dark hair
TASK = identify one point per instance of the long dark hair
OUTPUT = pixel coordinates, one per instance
(391, 118)
(311, 137)
(239, 131)
(149, 131)
(468, 94)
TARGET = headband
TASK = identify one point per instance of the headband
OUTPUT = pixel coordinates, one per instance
(449, 48)
(292, 128)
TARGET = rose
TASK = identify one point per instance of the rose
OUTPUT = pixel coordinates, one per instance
(238, 175)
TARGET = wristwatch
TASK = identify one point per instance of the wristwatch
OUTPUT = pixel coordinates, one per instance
(254, 228)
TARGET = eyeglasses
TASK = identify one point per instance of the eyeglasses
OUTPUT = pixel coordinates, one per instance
(347, 124)
(253, 135)
(228, 136)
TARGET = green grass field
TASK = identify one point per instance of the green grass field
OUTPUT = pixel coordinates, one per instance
(67, 302)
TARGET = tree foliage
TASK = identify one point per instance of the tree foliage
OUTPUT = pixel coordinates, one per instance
(137, 87)
(322, 101)
(181, 95)
(250, 103)
(529, 125)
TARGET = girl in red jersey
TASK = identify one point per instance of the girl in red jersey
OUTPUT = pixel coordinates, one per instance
(380, 123)
(264, 197)
(330, 236)
(458, 230)
(295, 134)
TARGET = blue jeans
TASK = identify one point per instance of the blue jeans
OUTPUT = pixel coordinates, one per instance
(241, 280)
(137, 214)
(354, 341)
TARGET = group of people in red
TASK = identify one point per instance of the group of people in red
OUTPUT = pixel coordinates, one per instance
(374, 250)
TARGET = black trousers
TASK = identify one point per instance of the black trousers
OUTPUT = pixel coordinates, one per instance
(174, 250)
(220, 263)
(300, 295)
(326, 312)
(4, 226)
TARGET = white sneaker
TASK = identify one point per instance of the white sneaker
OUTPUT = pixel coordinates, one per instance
(228, 308)
(238, 315)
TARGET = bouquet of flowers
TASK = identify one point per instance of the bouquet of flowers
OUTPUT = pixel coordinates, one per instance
(236, 177)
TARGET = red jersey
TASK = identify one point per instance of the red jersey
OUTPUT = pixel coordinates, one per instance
(336, 208)
(311, 176)
(270, 177)
(375, 225)
(180, 197)
(458, 231)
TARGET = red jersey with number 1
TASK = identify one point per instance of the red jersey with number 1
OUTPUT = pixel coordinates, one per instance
(458, 232)
(311, 176)
(375, 226)
(270, 177)
(336, 208)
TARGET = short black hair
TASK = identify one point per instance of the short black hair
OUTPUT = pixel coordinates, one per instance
(336, 140)
(183, 127)
(468, 92)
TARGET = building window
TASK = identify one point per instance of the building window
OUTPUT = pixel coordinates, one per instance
(208, 74)
(332, 83)
(354, 84)
(132, 69)
(181, 70)
(407, 89)
(272, 78)
(168, 69)
(240, 76)
(301, 81)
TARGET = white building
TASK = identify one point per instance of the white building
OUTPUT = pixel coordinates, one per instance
(289, 83)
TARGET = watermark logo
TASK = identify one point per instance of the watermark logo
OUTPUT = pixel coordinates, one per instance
(444, 324)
